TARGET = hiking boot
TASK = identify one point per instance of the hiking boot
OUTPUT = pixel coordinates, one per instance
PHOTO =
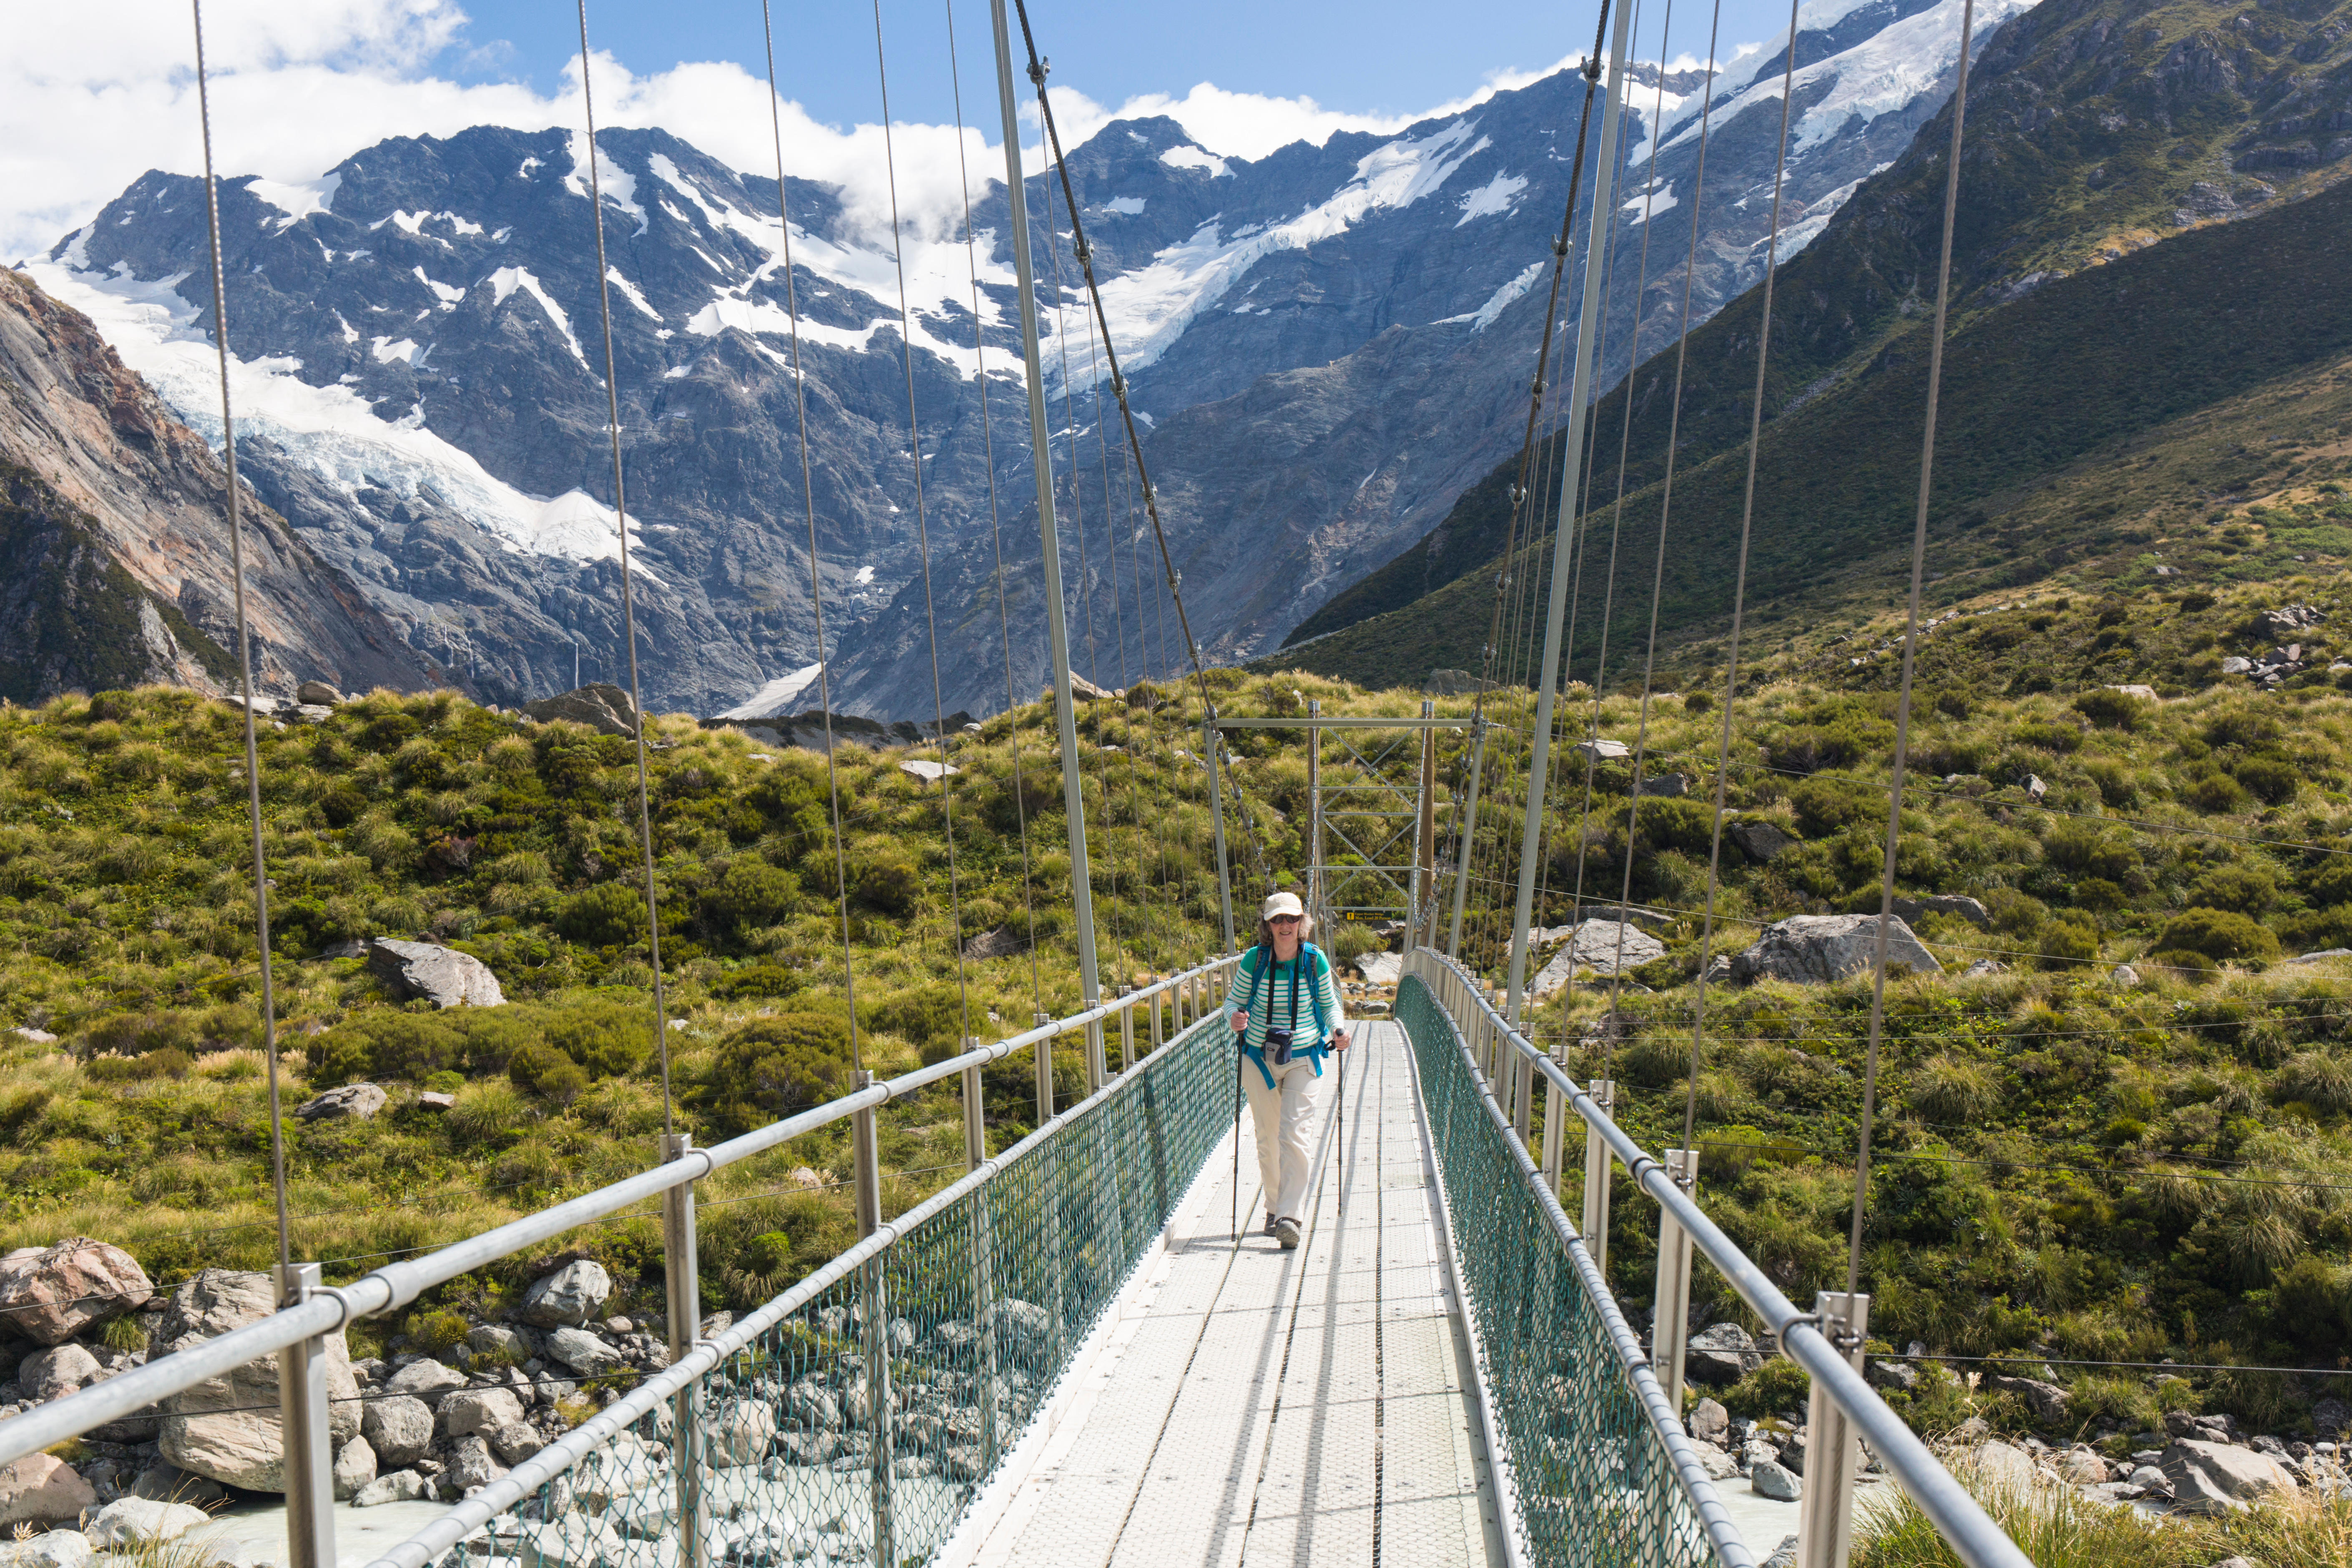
(1270, 1223)
(1285, 1230)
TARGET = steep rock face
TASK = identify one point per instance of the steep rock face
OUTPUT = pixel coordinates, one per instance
(114, 542)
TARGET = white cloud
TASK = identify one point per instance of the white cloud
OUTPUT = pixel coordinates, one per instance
(93, 96)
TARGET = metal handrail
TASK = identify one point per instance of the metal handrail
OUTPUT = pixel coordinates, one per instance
(1963, 1523)
(325, 1310)
(1731, 1547)
(480, 1508)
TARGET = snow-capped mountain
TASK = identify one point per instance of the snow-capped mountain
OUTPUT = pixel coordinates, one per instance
(1328, 344)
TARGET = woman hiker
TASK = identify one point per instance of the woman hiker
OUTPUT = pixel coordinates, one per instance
(1286, 1008)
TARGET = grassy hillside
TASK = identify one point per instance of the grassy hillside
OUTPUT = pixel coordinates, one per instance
(2146, 394)
(2071, 1168)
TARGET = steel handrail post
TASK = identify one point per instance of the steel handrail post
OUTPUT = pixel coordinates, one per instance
(306, 1433)
(975, 1113)
(682, 1285)
(1596, 1180)
(875, 1308)
(1126, 1031)
(1833, 1457)
(1670, 1317)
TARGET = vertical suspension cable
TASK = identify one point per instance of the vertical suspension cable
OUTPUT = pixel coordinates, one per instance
(1740, 582)
(1910, 648)
(922, 528)
(1674, 435)
(1624, 450)
(243, 650)
(1657, 592)
(808, 499)
(995, 531)
(628, 591)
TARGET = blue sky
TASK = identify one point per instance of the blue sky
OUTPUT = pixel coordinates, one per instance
(1360, 56)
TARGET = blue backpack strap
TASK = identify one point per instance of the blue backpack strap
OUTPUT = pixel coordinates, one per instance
(1322, 968)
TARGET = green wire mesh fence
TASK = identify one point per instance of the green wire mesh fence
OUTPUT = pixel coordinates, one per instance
(1590, 1472)
(855, 1417)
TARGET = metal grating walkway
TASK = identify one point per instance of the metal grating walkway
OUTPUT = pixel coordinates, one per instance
(1257, 1407)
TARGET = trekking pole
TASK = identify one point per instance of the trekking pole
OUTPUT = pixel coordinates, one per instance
(1237, 1148)
(1343, 1131)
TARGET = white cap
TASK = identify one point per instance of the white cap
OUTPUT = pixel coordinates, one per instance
(1280, 904)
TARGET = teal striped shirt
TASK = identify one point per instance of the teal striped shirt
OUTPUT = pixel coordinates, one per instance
(1272, 1002)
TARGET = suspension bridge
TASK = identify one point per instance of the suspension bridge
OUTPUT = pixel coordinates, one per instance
(1079, 1351)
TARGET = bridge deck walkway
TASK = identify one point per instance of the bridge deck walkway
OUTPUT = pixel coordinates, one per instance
(1253, 1405)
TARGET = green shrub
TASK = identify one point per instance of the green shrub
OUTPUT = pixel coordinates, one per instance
(2110, 710)
(773, 981)
(2321, 1079)
(2065, 943)
(2215, 792)
(2248, 890)
(434, 1332)
(752, 895)
(2271, 779)
(609, 914)
(923, 1015)
(1827, 806)
(890, 884)
(2223, 934)
(1776, 1387)
(606, 1039)
(2193, 967)
(136, 1034)
(546, 1072)
(2061, 739)
(385, 1043)
(772, 1068)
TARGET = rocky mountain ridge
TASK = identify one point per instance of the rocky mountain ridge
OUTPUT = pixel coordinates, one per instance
(1328, 343)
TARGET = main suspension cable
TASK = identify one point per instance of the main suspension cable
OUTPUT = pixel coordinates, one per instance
(243, 651)
(628, 591)
(808, 500)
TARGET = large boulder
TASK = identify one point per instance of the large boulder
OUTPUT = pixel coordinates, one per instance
(1960, 904)
(1381, 968)
(2003, 1468)
(1602, 946)
(1768, 1479)
(399, 1429)
(2047, 1400)
(2210, 1478)
(583, 1351)
(51, 1549)
(1720, 1354)
(483, 1410)
(1815, 950)
(51, 1293)
(227, 1427)
(1760, 841)
(354, 1468)
(441, 976)
(740, 1432)
(569, 1296)
(401, 1485)
(41, 1489)
(358, 1101)
(136, 1521)
(427, 1380)
(604, 709)
(53, 1374)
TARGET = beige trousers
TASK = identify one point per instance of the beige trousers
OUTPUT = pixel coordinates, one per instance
(1280, 1116)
